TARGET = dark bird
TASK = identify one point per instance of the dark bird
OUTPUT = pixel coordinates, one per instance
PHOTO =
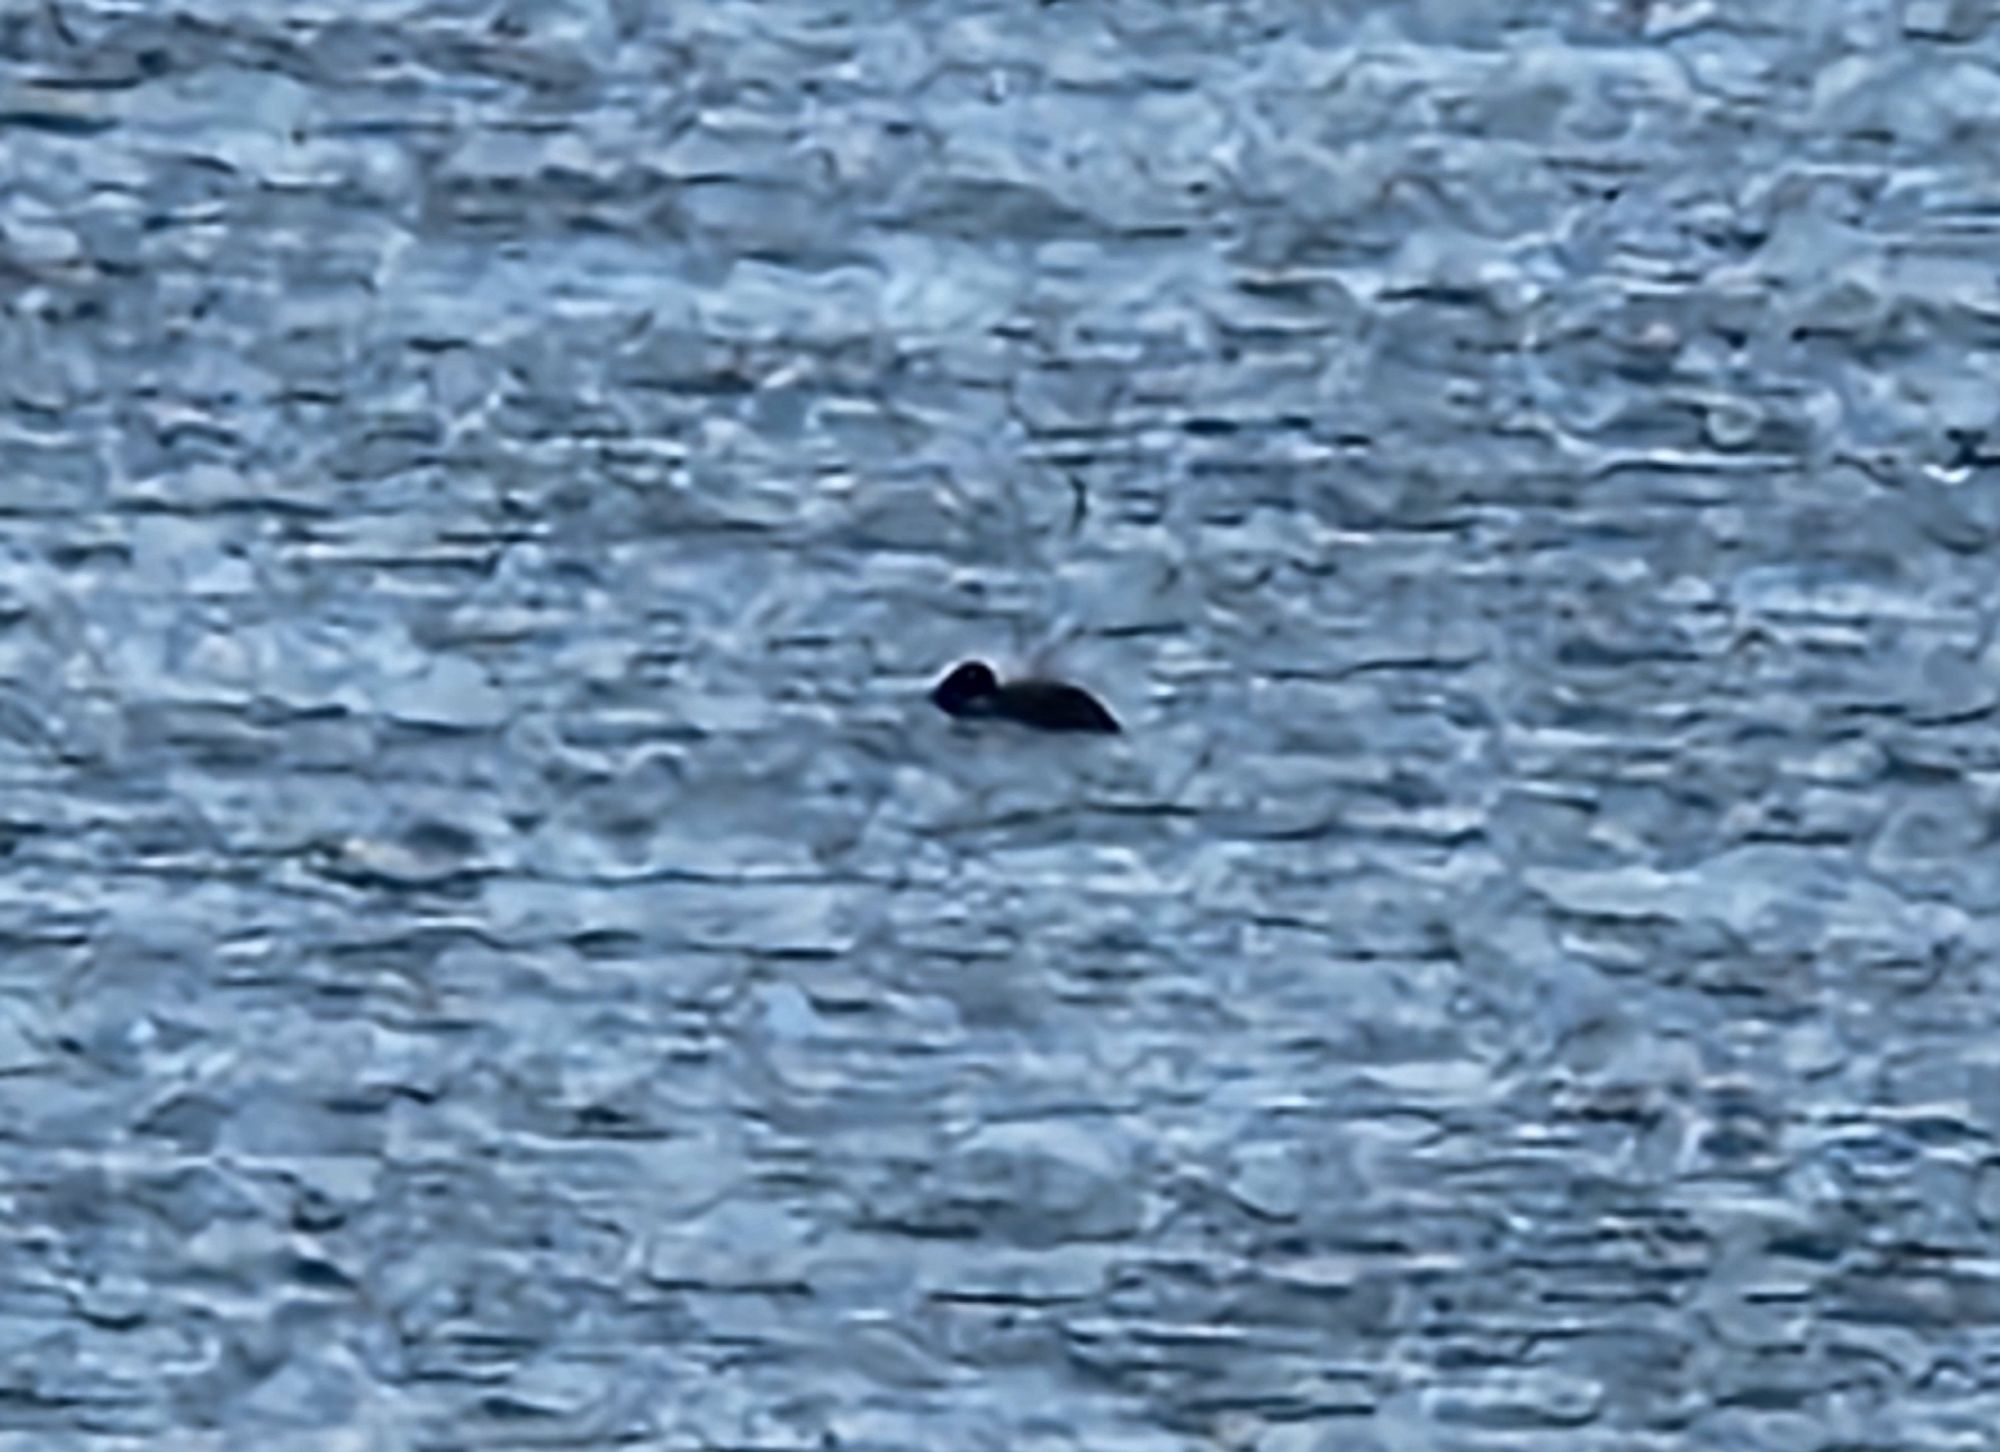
(973, 692)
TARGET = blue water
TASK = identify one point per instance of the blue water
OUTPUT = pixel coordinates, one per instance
(497, 951)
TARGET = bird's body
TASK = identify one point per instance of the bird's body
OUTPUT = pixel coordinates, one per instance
(973, 692)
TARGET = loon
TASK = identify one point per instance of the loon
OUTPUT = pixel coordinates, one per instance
(973, 692)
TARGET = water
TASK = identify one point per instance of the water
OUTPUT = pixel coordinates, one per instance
(499, 952)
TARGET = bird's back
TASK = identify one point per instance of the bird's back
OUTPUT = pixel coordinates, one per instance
(1053, 706)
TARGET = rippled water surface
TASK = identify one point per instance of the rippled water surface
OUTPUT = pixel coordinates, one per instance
(496, 949)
